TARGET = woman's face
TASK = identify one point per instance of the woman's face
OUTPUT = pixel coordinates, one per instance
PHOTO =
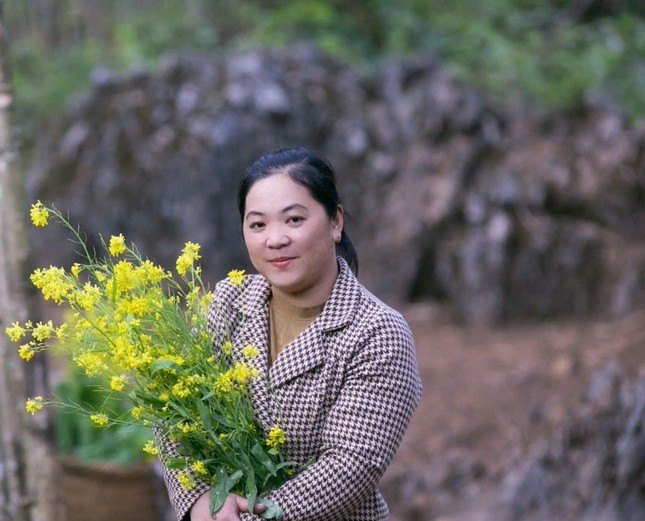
(291, 239)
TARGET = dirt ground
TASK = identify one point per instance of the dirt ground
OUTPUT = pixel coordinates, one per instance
(489, 393)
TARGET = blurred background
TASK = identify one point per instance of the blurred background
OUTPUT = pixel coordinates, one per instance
(491, 158)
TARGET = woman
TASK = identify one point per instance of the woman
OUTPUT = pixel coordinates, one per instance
(337, 367)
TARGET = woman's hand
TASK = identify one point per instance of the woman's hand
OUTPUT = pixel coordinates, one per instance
(230, 510)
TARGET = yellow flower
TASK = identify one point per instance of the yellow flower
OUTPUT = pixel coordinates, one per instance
(117, 245)
(34, 404)
(26, 351)
(91, 362)
(250, 351)
(199, 468)
(52, 282)
(61, 330)
(276, 437)
(188, 256)
(186, 480)
(242, 373)
(150, 448)
(39, 214)
(99, 419)
(76, 269)
(136, 306)
(15, 332)
(123, 354)
(235, 378)
(123, 279)
(222, 383)
(206, 298)
(149, 273)
(43, 331)
(185, 428)
(88, 296)
(236, 277)
(143, 330)
(194, 302)
(117, 383)
(181, 390)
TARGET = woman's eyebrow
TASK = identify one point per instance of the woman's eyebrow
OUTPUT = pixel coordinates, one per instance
(286, 209)
(253, 213)
(294, 206)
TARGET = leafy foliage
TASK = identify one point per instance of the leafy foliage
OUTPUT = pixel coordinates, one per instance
(77, 435)
(141, 334)
(543, 50)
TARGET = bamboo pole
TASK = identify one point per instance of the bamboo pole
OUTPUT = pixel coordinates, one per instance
(28, 490)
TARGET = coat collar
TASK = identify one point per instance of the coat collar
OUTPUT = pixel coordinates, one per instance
(308, 350)
(339, 308)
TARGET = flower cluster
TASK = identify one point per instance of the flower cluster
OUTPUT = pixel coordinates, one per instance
(142, 331)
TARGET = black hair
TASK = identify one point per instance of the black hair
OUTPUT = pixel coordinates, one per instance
(309, 170)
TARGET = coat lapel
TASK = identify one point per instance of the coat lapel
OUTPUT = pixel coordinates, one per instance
(253, 306)
(310, 349)
(303, 354)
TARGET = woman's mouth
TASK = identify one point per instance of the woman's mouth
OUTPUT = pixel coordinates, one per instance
(281, 262)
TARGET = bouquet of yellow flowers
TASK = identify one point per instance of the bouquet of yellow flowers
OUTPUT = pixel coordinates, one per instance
(142, 331)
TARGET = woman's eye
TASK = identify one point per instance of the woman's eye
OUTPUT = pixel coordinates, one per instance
(295, 219)
(256, 225)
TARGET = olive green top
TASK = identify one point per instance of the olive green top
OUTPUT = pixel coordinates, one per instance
(286, 322)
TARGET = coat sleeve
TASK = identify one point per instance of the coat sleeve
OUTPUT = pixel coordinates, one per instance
(180, 499)
(363, 429)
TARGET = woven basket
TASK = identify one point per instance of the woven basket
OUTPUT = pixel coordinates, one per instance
(107, 491)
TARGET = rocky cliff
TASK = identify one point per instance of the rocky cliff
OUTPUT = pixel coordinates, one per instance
(502, 212)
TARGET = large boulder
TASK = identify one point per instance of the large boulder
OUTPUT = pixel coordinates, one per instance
(503, 213)
(157, 156)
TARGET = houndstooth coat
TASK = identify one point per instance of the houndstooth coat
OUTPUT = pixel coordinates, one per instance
(343, 391)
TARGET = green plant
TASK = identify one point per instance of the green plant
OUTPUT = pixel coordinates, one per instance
(78, 436)
(536, 49)
(142, 332)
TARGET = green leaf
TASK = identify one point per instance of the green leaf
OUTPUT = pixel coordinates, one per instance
(264, 459)
(251, 489)
(272, 511)
(205, 416)
(161, 364)
(186, 448)
(221, 420)
(221, 487)
(175, 463)
(217, 496)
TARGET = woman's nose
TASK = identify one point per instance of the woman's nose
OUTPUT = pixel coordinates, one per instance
(276, 238)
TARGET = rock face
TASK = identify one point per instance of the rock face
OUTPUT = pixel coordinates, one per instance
(504, 213)
(593, 469)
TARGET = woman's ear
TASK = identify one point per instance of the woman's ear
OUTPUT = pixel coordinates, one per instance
(337, 223)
